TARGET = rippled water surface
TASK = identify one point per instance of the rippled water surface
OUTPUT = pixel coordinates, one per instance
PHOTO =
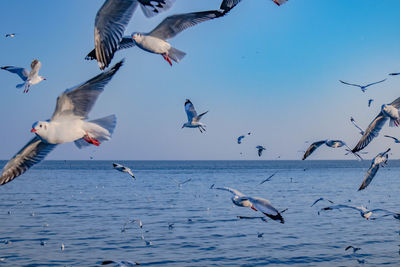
(84, 205)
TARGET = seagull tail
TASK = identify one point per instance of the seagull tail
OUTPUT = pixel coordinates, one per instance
(175, 54)
(100, 129)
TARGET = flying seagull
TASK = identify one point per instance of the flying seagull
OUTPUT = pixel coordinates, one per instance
(364, 212)
(193, 118)
(67, 124)
(370, 102)
(231, 3)
(355, 125)
(397, 141)
(29, 78)
(111, 21)
(269, 178)
(380, 160)
(313, 147)
(120, 263)
(320, 199)
(260, 150)
(388, 111)
(255, 203)
(239, 140)
(362, 87)
(181, 183)
(354, 249)
(10, 35)
(122, 168)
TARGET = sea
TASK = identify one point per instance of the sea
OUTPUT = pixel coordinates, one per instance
(85, 213)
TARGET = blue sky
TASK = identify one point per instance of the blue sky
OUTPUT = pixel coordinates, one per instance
(266, 69)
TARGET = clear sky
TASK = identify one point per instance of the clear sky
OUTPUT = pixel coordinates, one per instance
(266, 69)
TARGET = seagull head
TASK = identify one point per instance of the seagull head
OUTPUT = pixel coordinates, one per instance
(40, 128)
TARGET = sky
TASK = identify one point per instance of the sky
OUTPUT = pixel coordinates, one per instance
(272, 71)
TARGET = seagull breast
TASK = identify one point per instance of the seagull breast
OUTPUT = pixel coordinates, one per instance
(153, 44)
(390, 111)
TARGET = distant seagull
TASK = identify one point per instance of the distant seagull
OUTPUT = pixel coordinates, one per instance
(239, 140)
(364, 212)
(397, 141)
(260, 235)
(170, 226)
(379, 160)
(10, 35)
(62, 246)
(388, 111)
(370, 101)
(255, 203)
(313, 147)
(111, 21)
(29, 78)
(354, 249)
(193, 118)
(354, 123)
(67, 124)
(269, 178)
(394, 73)
(260, 150)
(362, 87)
(181, 183)
(231, 3)
(122, 168)
(120, 263)
(320, 199)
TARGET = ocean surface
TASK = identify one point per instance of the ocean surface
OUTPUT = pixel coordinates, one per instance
(85, 204)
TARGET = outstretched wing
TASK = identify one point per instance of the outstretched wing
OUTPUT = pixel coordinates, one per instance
(272, 175)
(110, 23)
(312, 148)
(394, 138)
(375, 83)
(79, 101)
(354, 123)
(264, 206)
(231, 190)
(190, 111)
(372, 131)
(126, 42)
(352, 84)
(33, 152)
(151, 8)
(199, 117)
(35, 67)
(369, 176)
(21, 72)
(396, 103)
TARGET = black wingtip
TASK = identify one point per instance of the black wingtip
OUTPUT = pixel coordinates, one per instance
(118, 65)
(188, 101)
(91, 55)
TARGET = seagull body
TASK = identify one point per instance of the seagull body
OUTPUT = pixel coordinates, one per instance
(67, 124)
(193, 118)
(29, 78)
(397, 141)
(11, 35)
(388, 111)
(379, 160)
(362, 87)
(111, 21)
(255, 203)
(260, 150)
(355, 125)
(335, 143)
(122, 168)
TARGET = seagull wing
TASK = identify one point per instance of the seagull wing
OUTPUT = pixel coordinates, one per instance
(21, 72)
(372, 131)
(151, 8)
(33, 152)
(190, 111)
(369, 176)
(231, 190)
(126, 42)
(110, 23)
(173, 25)
(264, 206)
(394, 138)
(272, 175)
(79, 100)
(117, 165)
(354, 123)
(229, 4)
(352, 84)
(199, 116)
(312, 148)
(35, 67)
(394, 73)
(375, 83)
(186, 181)
(396, 103)
(340, 206)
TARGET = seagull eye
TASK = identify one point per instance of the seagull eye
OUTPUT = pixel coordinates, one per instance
(40, 126)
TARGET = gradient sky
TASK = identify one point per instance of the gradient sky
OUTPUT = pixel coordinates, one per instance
(266, 69)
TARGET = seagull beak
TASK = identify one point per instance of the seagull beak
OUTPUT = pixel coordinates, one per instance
(33, 130)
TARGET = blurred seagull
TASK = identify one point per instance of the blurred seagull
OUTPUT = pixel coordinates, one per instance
(269, 178)
(120, 263)
(354, 249)
(29, 78)
(111, 21)
(122, 168)
(364, 212)
(370, 101)
(193, 118)
(354, 123)
(67, 124)
(394, 73)
(362, 87)
(388, 111)
(260, 150)
(320, 199)
(255, 203)
(181, 183)
(380, 160)
(239, 140)
(397, 141)
(10, 35)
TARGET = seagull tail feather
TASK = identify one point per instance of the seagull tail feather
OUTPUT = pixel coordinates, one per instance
(175, 54)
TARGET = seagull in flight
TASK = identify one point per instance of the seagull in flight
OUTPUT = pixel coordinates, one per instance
(380, 160)
(67, 124)
(320, 199)
(193, 118)
(255, 203)
(122, 168)
(239, 140)
(112, 19)
(364, 212)
(397, 141)
(354, 249)
(370, 102)
(388, 111)
(355, 125)
(362, 87)
(10, 35)
(231, 3)
(329, 143)
(29, 77)
(269, 178)
(181, 183)
(260, 150)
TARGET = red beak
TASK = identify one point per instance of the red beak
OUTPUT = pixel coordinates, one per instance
(33, 130)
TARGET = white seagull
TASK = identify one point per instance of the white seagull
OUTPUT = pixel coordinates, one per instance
(255, 203)
(355, 125)
(329, 143)
(111, 21)
(122, 168)
(362, 87)
(193, 118)
(364, 212)
(380, 160)
(260, 150)
(388, 111)
(29, 77)
(67, 124)
(10, 35)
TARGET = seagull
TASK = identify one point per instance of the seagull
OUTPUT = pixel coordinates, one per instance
(370, 101)
(231, 3)
(364, 212)
(394, 73)
(181, 183)
(379, 160)
(255, 203)
(260, 150)
(67, 124)
(362, 87)
(388, 111)
(120, 263)
(354, 249)
(269, 178)
(111, 21)
(397, 141)
(260, 235)
(11, 35)
(122, 168)
(320, 199)
(354, 123)
(313, 147)
(29, 78)
(193, 118)
(239, 140)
